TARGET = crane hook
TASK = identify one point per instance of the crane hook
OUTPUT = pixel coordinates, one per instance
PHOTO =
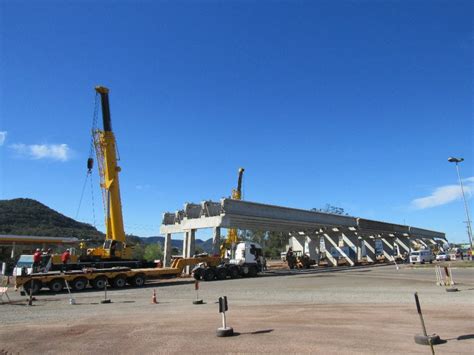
(90, 164)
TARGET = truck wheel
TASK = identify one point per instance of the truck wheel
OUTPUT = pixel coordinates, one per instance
(221, 273)
(233, 272)
(79, 284)
(99, 282)
(252, 271)
(138, 280)
(56, 285)
(32, 286)
(119, 281)
(209, 275)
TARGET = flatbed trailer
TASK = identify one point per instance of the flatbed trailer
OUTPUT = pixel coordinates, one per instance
(116, 277)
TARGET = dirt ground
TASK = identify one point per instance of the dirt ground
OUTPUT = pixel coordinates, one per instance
(366, 310)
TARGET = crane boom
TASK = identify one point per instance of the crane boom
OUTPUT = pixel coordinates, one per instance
(232, 236)
(106, 150)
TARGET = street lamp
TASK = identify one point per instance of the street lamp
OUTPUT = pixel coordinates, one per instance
(469, 230)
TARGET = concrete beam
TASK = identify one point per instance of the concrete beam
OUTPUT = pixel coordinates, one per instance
(333, 240)
(387, 248)
(329, 241)
(424, 233)
(352, 241)
(369, 245)
(404, 245)
(367, 225)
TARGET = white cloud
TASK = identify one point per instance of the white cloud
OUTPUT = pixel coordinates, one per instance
(59, 152)
(142, 187)
(3, 137)
(444, 194)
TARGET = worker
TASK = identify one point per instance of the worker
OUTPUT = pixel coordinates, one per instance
(37, 260)
(65, 259)
(290, 258)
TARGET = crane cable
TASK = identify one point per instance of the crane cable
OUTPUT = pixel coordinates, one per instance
(90, 161)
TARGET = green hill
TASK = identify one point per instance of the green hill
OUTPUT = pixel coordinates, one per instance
(24, 216)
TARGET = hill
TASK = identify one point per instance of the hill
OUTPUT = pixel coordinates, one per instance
(23, 216)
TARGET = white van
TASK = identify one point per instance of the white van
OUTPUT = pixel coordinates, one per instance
(421, 256)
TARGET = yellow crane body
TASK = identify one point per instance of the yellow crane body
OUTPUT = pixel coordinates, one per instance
(106, 151)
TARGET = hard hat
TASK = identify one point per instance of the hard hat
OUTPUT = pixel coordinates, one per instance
(38, 249)
(67, 249)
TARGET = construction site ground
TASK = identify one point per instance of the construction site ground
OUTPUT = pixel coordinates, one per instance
(360, 310)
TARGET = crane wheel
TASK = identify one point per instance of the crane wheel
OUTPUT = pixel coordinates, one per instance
(252, 271)
(221, 273)
(32, 286)
(119, 281)
(99, 282)
(56, 285)
(233, 272)
(138, 280)
(209, 275)
(79, 284)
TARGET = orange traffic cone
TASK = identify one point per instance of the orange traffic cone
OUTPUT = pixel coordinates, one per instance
(153, 299)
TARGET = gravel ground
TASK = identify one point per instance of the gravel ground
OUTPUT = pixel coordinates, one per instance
(366, 310)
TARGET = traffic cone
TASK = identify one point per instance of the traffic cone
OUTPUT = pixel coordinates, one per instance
(153, 299)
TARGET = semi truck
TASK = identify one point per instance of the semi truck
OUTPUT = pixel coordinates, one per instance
(248, 262)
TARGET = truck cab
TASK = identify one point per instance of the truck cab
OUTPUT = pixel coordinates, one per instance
(247, 253)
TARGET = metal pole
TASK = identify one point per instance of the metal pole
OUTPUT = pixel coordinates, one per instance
(469, 230)
(223, 321)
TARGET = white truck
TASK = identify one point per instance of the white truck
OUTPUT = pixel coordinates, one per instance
(422, 256)
(248, 262)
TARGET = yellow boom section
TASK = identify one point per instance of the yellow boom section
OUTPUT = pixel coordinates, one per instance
(232, 236)
(106, 152)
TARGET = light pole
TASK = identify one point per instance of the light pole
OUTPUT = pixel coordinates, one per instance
(469, 230)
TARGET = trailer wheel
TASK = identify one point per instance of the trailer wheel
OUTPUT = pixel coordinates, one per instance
(233, 272)
(56, 285)
(221, 273)
(209, 275)
(119, 281)
(99, 282)
(138, 280)
(32, 286)
(79, 284)
(252, 271)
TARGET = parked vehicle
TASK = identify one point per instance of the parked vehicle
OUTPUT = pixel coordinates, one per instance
(443, 257)
(421, 256)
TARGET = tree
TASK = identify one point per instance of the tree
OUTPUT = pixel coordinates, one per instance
(153, 252)
(138, 252)
(330, 209)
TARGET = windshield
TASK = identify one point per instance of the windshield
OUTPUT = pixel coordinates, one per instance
(25, 260)
(415, 253)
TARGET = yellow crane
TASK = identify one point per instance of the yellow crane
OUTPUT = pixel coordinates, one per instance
(115, 246)
(232, 237)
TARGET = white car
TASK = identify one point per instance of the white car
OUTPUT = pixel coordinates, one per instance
(443, 257)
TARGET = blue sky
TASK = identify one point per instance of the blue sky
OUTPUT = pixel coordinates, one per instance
(353, 103)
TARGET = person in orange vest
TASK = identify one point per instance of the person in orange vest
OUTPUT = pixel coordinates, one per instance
(65, 259)
(37, 260)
